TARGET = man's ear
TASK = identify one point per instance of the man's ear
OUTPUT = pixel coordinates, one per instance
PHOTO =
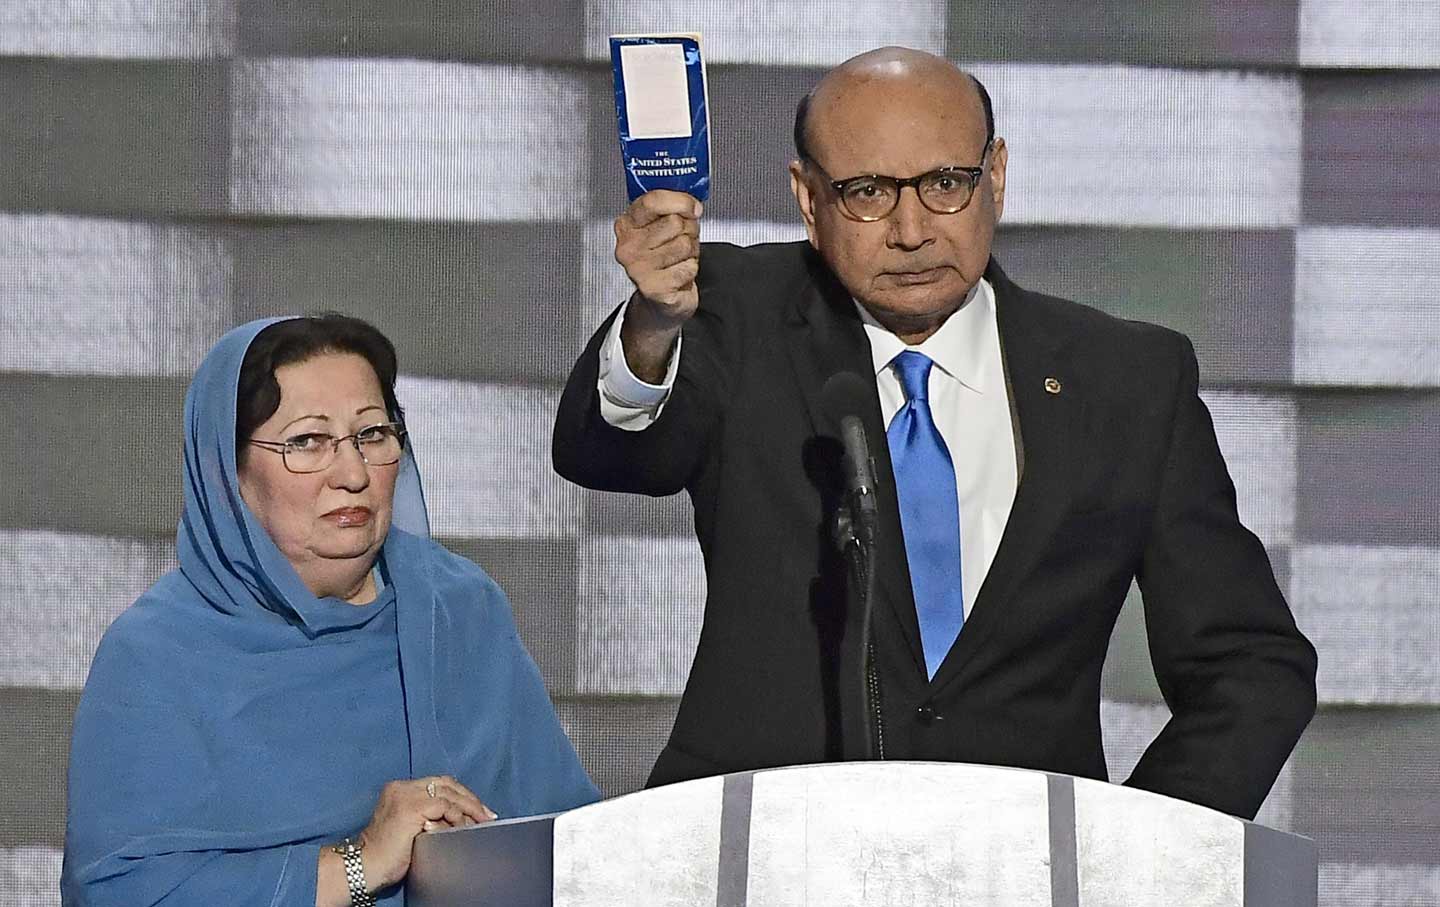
(804, 198)
(999, 157)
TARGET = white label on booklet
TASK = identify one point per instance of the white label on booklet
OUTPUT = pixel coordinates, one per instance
(657, 92)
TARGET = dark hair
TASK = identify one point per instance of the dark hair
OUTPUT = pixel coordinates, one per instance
(802, 117)
(299, 340)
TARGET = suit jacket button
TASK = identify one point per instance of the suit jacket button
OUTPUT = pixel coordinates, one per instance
(926, 714)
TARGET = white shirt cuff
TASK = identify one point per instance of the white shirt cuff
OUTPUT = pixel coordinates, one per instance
(626, 402)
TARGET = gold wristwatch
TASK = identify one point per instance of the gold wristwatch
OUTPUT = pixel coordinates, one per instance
(349, 851)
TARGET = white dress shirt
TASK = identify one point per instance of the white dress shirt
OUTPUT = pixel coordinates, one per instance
(968, 400)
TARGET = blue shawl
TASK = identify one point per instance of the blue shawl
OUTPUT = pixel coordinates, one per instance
(233, 723)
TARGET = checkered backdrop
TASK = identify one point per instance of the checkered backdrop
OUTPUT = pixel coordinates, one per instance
(1261, 175)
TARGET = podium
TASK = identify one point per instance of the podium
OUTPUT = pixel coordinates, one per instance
(871, 833)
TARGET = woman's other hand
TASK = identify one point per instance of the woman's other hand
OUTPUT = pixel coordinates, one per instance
(404, 810)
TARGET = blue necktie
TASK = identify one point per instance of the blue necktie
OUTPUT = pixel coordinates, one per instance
(929, 511)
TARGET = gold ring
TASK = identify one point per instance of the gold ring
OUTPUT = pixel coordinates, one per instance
(430, 789)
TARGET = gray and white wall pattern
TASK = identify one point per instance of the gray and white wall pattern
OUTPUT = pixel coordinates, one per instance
(1264, 176)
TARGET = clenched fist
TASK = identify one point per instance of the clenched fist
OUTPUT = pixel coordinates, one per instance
(657, 241)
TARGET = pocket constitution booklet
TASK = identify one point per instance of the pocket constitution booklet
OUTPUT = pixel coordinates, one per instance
(663, 113)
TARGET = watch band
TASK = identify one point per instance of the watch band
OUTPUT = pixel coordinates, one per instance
(349, 852)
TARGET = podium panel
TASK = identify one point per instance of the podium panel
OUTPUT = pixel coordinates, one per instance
(1133, 847)
(673, 833)
(874, 833)
(860, 833)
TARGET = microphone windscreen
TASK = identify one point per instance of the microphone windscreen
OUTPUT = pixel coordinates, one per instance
(845, 394)
(844, 397)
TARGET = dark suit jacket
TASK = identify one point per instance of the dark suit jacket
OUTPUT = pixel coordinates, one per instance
(1121, 478)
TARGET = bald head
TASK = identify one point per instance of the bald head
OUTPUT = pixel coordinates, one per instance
(891, 68)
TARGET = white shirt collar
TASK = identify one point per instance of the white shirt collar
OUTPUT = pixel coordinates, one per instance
(958, 347)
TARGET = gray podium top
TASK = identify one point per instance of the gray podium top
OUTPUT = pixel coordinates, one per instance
(871, 833)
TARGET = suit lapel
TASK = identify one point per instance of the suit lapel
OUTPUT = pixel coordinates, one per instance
(826, 337)
(1051, 422)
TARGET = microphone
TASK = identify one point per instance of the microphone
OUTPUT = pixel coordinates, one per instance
(844, 397)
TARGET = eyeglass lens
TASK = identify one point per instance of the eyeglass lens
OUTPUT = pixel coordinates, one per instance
(379, 445)
(871, 198)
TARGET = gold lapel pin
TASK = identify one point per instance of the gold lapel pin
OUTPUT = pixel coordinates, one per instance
(1052, 385)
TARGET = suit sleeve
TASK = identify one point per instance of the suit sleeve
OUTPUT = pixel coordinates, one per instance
(664, 457)
(1237, 674)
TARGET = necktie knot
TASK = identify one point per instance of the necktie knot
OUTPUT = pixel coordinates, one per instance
(913, 370)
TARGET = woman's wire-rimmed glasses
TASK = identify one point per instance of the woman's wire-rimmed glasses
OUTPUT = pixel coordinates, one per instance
(378, 445)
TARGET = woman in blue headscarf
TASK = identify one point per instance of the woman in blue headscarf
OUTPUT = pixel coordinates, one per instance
(318, 683)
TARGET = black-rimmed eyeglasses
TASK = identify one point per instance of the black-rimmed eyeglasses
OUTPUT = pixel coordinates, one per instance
(378, 445)
(873, 196)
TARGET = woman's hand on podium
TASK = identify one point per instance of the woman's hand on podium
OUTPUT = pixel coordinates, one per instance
(405, 809)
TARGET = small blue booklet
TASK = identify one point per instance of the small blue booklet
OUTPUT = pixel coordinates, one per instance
(663, 111)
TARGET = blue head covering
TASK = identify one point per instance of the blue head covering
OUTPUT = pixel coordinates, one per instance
(223, 550)
(233, 722)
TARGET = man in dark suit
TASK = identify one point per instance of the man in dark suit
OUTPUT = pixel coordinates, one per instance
(1033, 457)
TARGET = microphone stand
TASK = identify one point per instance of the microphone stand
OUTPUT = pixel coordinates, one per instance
(855, 539)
